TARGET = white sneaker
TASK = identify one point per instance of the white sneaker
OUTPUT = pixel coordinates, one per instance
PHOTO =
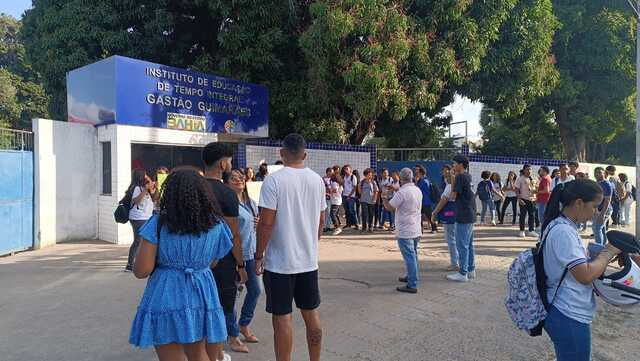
(457, 277)
(471, 275)
(532, 234)
(337, 231)
(493, 223)
(522, 235)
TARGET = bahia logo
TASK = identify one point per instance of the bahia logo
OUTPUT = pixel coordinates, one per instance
(229, 125)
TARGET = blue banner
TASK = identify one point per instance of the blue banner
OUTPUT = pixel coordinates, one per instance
(141, 93)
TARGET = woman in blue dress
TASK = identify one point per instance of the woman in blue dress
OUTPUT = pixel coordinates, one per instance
(180, 312)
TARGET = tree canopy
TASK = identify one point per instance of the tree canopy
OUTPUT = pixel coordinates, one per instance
(22, 96)
(336, 69)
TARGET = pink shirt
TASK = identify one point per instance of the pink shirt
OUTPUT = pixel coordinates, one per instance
(408, 205)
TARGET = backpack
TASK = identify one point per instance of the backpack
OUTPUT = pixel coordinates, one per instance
(618, 190)
(484, 190)
(633, 190)
(121, 214)
(434, 193)
(526, 299)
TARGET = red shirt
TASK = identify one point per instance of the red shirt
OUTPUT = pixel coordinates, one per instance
(543, 184)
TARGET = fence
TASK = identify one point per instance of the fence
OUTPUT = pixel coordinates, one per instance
(416, 154)
(13, 139)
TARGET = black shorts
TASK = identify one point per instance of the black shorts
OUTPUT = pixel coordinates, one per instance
(282, 289)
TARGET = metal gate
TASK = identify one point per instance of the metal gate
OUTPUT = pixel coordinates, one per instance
(16, 191)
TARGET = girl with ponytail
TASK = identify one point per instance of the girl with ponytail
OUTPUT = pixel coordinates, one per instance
(570, 272)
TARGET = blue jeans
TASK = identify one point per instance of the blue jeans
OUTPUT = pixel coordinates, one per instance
(488, 204)
(254, 288)
(388, 216)
(327, 216)
(464, 244)
(450, 236)
(409, 250)
(350, 210)
(571, 339)
(599, 232)
(541, 208)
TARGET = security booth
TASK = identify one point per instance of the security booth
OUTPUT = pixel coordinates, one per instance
(148, 115)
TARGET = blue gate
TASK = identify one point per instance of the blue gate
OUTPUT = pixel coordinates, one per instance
(16, 195)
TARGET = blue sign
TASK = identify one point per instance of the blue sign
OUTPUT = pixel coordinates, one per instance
(127, 91)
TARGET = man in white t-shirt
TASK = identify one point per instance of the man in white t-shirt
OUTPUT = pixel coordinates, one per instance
(291, 222)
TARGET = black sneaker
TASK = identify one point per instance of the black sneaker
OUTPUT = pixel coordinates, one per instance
(403, 279)
(406, 289)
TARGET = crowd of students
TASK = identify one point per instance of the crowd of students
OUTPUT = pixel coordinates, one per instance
(201, 239)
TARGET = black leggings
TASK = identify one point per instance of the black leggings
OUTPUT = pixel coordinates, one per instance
(225, 275)
(368, 211)
(505, 205)
(528, 208)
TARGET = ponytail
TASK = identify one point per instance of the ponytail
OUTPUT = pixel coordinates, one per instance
(564, 194)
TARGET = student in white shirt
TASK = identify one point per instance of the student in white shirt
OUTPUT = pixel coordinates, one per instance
(290, 225)
(143, 194)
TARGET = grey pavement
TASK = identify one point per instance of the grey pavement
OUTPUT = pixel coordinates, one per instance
(73, 302)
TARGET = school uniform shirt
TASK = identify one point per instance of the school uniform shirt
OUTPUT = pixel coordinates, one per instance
(349, 186)
(498, 187)
(368, 192)
(565, 249)
(510, 193)
(558, 180)
(629, 190)
(336, 193)
(143, 210)
(298, 197)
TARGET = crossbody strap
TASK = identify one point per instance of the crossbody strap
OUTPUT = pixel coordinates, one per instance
(564, 273)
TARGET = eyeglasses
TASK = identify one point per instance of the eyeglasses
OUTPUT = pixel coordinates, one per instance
(236, 179)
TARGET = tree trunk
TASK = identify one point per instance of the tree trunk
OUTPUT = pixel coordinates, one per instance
(575, 145)
(361, 131)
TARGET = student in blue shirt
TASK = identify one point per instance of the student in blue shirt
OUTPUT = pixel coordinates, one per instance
(570, 272)
(247, 220)
(427, 204)
(600, 219)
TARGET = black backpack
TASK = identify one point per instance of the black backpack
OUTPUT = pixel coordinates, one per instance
(121, 214)
(633, 191)
(435, 193)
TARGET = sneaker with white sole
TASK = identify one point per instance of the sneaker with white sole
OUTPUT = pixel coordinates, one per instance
(522, 235)
(337, 231)
(457, 277)
(532, 234)
(471, 275)
(493, 223)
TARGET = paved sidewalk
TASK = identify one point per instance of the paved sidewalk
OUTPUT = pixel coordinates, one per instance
(72, 302)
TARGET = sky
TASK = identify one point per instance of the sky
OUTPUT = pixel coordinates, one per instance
(462, 109)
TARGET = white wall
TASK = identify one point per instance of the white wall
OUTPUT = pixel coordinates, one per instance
(121, 138)
(65, 200)
(317, 159)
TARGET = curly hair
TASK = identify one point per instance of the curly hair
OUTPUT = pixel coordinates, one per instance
(188, 206)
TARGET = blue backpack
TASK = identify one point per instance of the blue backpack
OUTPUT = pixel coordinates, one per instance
(484, 190)
(526, 299)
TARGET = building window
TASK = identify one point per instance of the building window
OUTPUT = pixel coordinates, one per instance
(106, 167)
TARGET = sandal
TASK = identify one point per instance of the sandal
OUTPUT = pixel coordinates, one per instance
(249, 337)
(240, 347)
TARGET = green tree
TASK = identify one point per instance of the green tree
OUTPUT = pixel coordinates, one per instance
(375, 61)
(22, 96)
(595, 54)
(533, 134)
